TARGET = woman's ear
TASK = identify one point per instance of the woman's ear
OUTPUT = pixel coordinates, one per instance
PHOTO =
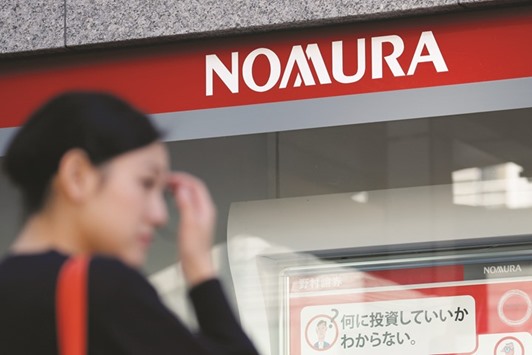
(77, 178)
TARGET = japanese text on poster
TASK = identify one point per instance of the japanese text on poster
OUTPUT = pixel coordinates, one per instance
(439, 325)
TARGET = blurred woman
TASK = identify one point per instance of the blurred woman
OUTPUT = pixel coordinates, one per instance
(92, 172)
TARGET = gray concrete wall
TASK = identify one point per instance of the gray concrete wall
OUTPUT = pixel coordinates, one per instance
(33, 26)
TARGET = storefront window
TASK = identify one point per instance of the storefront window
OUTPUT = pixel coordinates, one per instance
(339, 210)
(305, 200)
(10, 212)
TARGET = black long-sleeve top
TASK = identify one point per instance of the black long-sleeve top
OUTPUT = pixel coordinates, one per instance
(126, 315)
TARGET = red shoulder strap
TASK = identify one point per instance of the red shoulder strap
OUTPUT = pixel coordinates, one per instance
(71, 306)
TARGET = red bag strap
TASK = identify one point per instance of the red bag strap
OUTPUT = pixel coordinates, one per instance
(71, 306)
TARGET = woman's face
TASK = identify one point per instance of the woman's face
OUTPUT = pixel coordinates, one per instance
(122, 215)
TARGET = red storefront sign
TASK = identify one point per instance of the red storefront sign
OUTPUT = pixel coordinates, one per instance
(322, 62)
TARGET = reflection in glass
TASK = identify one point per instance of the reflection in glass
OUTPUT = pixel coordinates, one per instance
(495, 186)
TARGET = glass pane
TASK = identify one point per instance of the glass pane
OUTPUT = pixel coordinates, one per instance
(351, 200)
(10, 212)
(386, 187)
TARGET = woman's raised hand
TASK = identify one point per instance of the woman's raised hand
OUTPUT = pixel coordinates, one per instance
(196, 227)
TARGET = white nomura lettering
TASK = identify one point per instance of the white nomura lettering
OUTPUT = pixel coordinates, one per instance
(307, 66)
(501, 269)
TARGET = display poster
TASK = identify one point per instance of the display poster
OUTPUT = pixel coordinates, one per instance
(480, 309)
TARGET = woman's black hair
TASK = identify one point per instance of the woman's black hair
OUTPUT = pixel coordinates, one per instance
(100, 124)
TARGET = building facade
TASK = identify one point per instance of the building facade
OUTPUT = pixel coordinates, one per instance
(371, 161)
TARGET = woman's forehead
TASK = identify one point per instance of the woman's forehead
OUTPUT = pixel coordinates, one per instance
(153, 157)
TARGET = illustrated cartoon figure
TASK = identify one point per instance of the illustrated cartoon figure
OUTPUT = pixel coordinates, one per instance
(508, 349)
(321, 330)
